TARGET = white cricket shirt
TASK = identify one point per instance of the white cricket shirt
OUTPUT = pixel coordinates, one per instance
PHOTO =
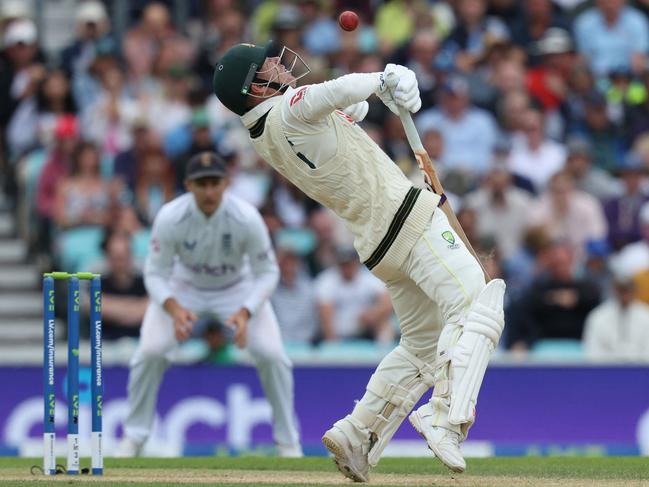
(210, 253)
(305, 135)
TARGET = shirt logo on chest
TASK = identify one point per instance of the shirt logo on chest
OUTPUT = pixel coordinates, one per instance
(189, 245)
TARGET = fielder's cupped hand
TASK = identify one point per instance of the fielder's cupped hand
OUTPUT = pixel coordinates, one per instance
(401, 89)
(183, 323)
(239, 321)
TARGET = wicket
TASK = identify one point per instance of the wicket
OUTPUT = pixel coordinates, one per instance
(96, 387)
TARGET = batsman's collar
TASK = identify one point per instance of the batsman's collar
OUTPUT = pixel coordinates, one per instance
(250, 117)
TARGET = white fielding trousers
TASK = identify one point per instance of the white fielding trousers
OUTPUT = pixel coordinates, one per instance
(158, 346)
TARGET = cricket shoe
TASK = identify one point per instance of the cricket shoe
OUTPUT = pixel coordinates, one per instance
(443, 442)
(349, 450)
(128, 448)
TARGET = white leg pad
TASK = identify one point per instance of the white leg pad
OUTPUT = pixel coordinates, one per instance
(470, 357)
(399, 382)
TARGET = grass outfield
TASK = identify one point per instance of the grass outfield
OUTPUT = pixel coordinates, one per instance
(317, 471)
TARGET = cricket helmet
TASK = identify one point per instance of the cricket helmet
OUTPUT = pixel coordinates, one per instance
(239, 68)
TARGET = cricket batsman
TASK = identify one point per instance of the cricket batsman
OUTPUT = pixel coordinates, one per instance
(451, 320)
(210, 252)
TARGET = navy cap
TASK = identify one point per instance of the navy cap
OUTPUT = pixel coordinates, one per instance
(205, 164)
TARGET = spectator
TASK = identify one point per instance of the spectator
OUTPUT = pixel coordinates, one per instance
(533, 155)
(321, 34)
(57, 167)
(618, 329)
(569, 214)
(20, 75)
(501, 72)
(538, 17)
(125, 220)
(581, 83)
(169, 109)
(395, 22)
(155, 184)
(352, 302)
(471, 37)
(511, 110)
(613, 35)
(32, 125)
(287, 27)
(82, 197)
(323, 223)
(294, 299)
(107, 121)
(82, 207)
(125, 165)
(634, 257)
(548, 81)
(201, 141)
(636, 122)
(124, 298)
(502, 209)
(556, 303)
(21, 71)
(151, 47)
(528, 262)
(592, 180)
(469, 133)
(597, 267)
(623, 211)
(291, 204)
(604, 137)
(93, 34)
(224, 26)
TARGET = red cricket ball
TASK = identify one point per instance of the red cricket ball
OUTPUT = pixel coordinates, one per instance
(348, 20)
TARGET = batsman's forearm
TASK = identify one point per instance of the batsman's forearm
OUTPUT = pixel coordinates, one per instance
(323, 98)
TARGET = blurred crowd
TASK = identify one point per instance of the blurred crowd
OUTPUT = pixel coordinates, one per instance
(537, 112)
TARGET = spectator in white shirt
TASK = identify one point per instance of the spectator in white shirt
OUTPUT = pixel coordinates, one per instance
(469, 133)
(618, 329)
(569, 214)
(501, 209)
(352, 302)
(534, 156)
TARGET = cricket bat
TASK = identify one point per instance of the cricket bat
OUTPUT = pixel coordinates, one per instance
(430, 178)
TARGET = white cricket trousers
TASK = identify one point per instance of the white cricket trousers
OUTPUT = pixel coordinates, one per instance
(431, 295)
(158, 345)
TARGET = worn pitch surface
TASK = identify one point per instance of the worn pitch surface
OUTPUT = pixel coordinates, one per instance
(317, 471)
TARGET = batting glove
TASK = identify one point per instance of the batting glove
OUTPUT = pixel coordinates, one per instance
(401, 84)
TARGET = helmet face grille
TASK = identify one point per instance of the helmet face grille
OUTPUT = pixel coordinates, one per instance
(289, 62)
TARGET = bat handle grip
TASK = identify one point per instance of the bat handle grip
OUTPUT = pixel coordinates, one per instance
(391, 80)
